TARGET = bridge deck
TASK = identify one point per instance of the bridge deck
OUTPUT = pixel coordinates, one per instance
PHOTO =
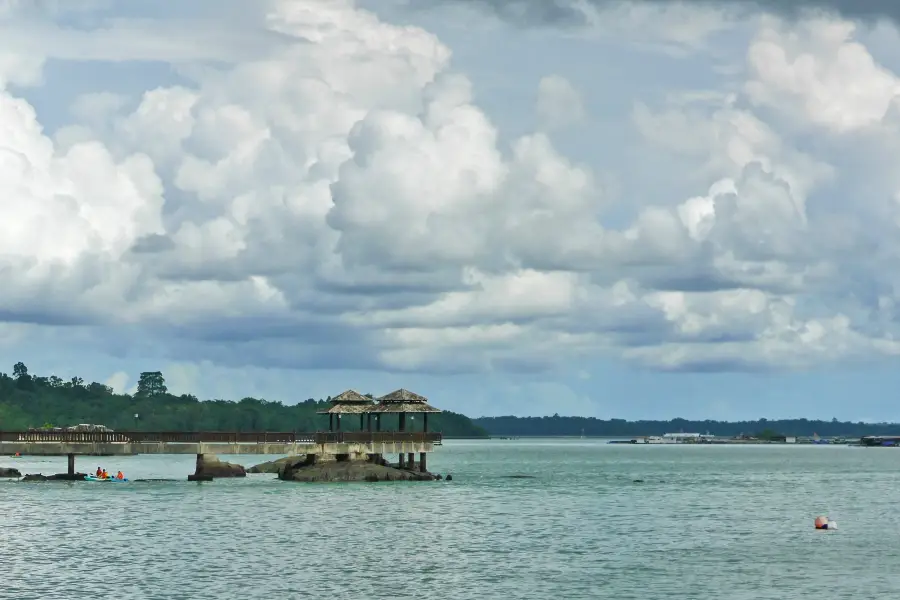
(223, 437)
(125, 443)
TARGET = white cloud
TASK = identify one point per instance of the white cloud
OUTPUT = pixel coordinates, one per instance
(558, 104)
(342, 198)
(820, 75)
(118, 381)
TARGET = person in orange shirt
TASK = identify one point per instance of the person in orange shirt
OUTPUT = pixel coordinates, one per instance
(119, 475)
(104, 475)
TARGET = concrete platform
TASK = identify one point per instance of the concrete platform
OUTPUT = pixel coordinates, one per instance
(134, 448)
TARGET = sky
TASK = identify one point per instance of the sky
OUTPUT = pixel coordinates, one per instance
(638, 210)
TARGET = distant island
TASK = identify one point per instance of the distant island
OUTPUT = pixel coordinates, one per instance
(32, 401)
(590, 426)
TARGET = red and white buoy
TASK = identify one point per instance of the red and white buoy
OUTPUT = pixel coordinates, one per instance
(823, 522)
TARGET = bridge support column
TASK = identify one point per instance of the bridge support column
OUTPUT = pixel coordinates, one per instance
(71, 465)
(411, 462)
(422, 465)
(402, 461)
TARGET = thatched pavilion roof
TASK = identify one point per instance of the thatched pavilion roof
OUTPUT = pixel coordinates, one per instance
(349, 402)
(402, 401)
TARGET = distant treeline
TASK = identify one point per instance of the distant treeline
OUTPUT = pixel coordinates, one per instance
(28, 400)
(589, 426)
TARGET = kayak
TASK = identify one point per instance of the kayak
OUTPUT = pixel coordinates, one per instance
(94, 478)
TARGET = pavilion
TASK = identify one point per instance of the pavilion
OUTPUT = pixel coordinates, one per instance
(350, 402)
(404, 402)
(400, 402)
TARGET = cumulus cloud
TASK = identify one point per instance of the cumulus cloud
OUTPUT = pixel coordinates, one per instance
(340, 199)
(820, 74)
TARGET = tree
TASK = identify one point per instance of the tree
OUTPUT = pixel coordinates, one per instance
(769, 434)
(100, 389)
(23, 379)
(151, 384)
(20, 371)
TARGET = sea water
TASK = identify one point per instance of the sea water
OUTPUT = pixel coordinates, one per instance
(580, 519)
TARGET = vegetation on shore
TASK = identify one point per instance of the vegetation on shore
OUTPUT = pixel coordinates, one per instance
(589, 426)
(28, 400)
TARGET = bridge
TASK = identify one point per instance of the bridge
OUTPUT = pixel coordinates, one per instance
(122, 443)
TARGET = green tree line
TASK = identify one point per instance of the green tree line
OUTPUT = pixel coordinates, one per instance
(28, 401)
(589, 426)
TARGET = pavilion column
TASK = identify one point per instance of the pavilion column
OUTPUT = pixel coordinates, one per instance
(425, 422)
(330, 422)
(369, 422)
(422, 466)
(402, 422)
(378, 422)
(339, 422)
(362, 417)
(401, 461)
(411, 459)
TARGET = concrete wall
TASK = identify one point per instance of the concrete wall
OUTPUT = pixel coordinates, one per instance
(122, 449)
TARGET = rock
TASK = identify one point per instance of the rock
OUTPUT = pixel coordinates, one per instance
(277, 465)
(272, 466)
(351, 470)
(209, 465)
(9, 472)
(56, 477)
(520, 477)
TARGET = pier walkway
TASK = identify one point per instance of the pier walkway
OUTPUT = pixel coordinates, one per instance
(122, 443)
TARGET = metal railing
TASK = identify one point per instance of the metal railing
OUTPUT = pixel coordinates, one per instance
(222, 437)
(184, 437)
(378, 437)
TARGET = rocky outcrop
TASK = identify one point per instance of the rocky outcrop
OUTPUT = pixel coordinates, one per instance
(276, 466)
(272, 466)
(209, 466)
(351, 470)
(57, 477)
(9, 472)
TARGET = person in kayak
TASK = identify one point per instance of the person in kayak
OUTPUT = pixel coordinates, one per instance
(99, 472)
(119, 475)
(104, 475)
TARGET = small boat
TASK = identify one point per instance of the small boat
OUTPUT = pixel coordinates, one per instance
(95, 478)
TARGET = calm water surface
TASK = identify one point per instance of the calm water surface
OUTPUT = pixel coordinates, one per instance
(707, 522)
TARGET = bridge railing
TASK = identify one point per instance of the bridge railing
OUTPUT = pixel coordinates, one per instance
(222, 437)
(378, 437)
(184, 437)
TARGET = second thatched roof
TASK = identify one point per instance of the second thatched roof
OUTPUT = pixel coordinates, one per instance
(402, 401)
(349, 402)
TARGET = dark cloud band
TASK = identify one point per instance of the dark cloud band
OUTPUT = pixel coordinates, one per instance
(568, 12)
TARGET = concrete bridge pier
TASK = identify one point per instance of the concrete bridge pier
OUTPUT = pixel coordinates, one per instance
(71, 461)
